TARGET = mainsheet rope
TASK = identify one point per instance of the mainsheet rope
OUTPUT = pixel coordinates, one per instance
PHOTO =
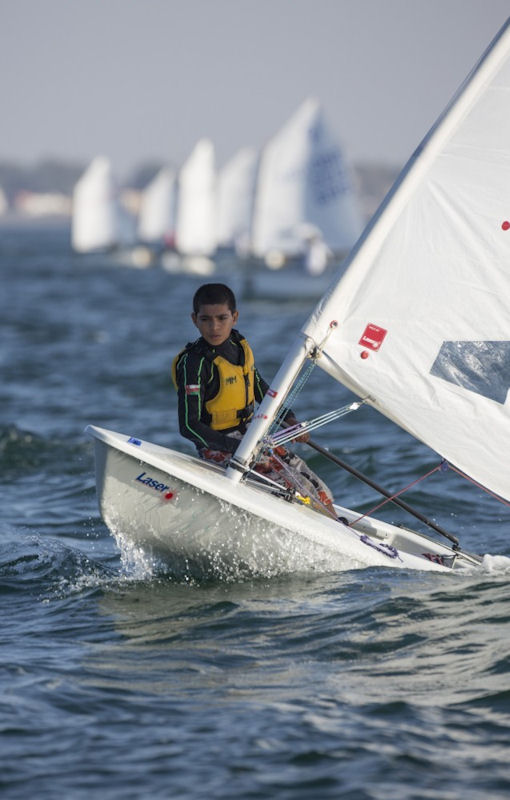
(479, 485)
(442, 466)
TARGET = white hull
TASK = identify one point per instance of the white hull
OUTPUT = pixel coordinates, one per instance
(162, 505)
(139, 257)
(177, 264)
(285, 285)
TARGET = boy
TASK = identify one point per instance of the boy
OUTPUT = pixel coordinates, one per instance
(218, 385)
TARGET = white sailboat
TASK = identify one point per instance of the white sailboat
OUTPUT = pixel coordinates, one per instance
(158, 207)
(417, 327)
(97, 222)
(4, 205)
(236, 194)
(100, 224)
(304, 185)
(195, 233)
(95, 215)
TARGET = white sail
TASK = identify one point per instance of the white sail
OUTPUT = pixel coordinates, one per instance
(422, 313)
(304, 180)
(196, 210)
(98, 221)
(156, 222)
(236, 191)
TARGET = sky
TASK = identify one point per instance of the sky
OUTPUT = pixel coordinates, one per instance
(141, 81)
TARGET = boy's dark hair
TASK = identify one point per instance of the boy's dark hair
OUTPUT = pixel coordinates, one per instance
(211, 294)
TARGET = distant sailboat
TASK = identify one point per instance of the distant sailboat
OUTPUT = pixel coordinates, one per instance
(236, 194)
(156, 222)
(96, 223)
(195, 233)
(4, 205)
(304, 183)
(100, 224)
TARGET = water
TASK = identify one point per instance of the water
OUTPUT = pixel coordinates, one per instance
(374, 683)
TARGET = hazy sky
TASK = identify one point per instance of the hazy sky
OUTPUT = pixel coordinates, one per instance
(141, 80)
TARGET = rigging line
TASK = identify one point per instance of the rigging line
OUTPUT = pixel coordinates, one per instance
(291, 432)
(397, 494)
(297, 389)
(479, 485)
(382, 491)
(267, 482)
(314, 354)
(329, 416)
(294, 490)
(295, 482)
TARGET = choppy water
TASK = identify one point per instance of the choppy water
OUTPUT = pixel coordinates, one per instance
(116, 684)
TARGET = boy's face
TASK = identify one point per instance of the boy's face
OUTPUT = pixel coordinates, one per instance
(215, 322)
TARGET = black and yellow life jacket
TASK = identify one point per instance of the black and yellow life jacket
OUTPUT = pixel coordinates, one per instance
(234, 402)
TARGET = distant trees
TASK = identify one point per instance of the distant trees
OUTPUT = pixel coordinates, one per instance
(49, 175)
(54, 175)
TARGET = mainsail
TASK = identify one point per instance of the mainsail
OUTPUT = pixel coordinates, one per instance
(156, 222)
(196, 211)
(94, 223)
(98, 221)
(420, 322)
(236, 191)
(422, 313)
(303, 180)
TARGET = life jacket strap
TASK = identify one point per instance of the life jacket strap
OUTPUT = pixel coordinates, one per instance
(246, 412)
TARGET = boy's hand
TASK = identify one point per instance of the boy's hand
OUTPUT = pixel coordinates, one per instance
(303, 437)
(268, 463)
(219, 456)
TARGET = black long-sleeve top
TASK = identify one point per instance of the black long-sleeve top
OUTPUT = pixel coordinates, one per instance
(195, 368)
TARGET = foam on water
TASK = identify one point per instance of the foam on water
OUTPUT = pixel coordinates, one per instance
(233, 546)
(496, 564)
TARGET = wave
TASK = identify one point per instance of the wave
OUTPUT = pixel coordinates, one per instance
(23, 451)
(39, 565)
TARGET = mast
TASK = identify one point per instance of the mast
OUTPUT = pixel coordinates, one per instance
(268, 409)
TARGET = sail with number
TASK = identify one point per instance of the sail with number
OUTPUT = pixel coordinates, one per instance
(156, 221)
(304, 181)
(196, 209)
(420, 322)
